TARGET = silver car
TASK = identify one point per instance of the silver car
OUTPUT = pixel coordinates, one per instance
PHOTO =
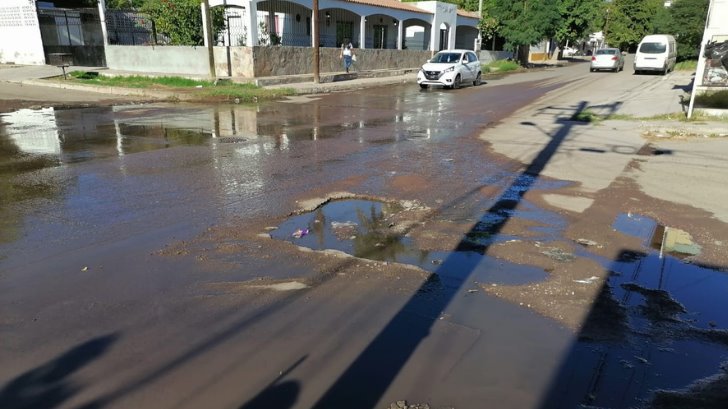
(610, 59)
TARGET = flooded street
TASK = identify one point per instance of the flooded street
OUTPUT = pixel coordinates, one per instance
(353, 249)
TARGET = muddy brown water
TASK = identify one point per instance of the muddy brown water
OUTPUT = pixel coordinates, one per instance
(89, 196)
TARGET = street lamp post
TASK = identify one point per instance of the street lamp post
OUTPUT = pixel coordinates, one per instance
(315, 35)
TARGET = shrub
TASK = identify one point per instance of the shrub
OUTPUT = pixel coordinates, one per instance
(717, 100)
(501, 66)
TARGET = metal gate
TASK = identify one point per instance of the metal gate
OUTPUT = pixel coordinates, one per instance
(72, 37)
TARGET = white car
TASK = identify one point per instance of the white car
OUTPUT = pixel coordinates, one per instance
(569, 52)
(450, 69)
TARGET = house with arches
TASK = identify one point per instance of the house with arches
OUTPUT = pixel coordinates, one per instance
(260, 37)
(368, 24)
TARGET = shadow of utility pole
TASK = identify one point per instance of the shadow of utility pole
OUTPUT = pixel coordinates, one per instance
(48, 386)
(364, 382)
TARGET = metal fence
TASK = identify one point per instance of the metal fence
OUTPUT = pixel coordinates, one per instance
(278, 23)
(235, 32)
(128, 27)
(72, 36)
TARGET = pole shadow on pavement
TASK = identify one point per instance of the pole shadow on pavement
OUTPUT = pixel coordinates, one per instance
(365, 381)
(49, 385)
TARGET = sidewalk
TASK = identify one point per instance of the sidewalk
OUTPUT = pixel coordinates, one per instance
(301, 84)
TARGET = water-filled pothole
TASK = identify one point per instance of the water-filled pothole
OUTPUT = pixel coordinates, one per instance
(659, 324)
(374, 230)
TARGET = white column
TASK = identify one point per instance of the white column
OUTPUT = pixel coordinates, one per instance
(102, 17)
(205, 35)
(434, 34)
(400, 31)
(363, 32)
(314, 21)
(251, 23)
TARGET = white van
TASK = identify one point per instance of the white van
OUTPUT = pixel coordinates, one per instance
(656, 52)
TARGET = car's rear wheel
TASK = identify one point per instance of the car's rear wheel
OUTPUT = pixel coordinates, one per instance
(591, 69)
(478, 80)
(423, 86)
(456, 82)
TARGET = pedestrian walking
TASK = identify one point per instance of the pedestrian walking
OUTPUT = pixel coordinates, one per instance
(347, 54)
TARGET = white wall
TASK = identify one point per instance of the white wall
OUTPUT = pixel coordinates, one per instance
(162, 59)
(444, 13)
(19, 20)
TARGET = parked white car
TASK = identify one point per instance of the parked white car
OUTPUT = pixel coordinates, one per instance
(450, 69)
(569, 52)
(656, 52)
(610, 59)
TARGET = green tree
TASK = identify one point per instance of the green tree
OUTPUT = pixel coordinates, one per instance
(178, 20)
(627, 21)
(524, 22)
(685, 19)
(123, 4)
(181, 20)
(579, 18)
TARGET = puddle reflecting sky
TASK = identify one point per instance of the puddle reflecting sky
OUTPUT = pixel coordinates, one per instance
(659, 325)
(362, 228)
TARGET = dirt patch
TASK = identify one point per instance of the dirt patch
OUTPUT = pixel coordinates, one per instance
(708, 393)
(659, 305)
(569, 291)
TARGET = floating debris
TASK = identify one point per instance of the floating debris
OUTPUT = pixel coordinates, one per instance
(641, 359)
(343, 225)
(586, 242)
(589, 280)
(299, 233)
(285, 286)
(559, 255)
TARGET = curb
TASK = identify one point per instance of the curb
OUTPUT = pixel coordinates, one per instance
(339, 86)
(298, 88)
(108, 90)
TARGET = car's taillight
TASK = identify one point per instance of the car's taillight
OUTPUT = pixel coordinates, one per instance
(594, 58)
(614, 58)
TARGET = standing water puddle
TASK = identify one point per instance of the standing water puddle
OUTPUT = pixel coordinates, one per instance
(365, 229)
(656, 336)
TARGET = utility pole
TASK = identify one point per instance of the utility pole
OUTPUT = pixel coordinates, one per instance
(606, 28)
(480, 27)
(208, 37)
(315, 35)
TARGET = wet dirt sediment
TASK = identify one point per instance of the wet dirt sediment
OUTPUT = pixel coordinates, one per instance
(438, 211)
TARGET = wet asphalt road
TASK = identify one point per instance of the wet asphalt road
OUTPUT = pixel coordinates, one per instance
(110, 298)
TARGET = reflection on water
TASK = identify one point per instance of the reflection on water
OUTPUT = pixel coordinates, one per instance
(82, 134)
(245, 143)
(363, 229)
(659, 324)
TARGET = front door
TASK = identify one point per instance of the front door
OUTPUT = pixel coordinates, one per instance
(380, 36)
(344, 30)
(443, 39)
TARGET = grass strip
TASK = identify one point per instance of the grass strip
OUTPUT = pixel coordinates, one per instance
(687, 65)
(501, 66)
(199, 89)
